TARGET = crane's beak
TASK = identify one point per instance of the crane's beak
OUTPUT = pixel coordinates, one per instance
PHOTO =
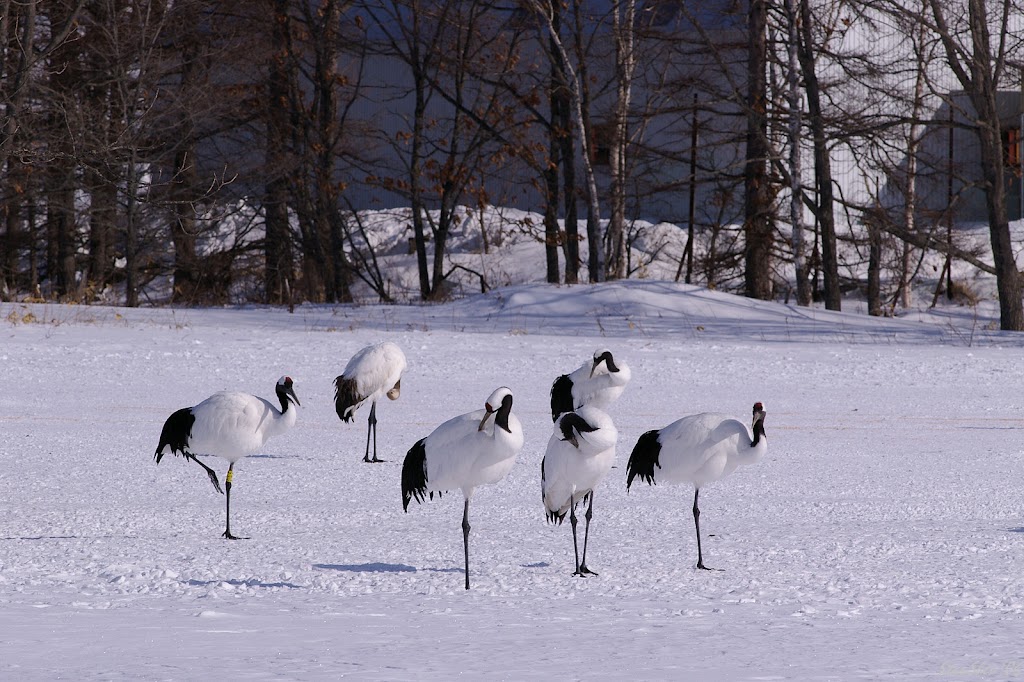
(291, 393)
(488, 412)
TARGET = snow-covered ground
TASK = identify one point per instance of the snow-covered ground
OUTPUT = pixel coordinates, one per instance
(881, 538)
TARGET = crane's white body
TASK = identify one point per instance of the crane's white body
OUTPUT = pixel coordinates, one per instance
(597, 382)
(600, 388)
(376, 371)
(571, 472)
(706, 447)
(462, 456)
(232, 425)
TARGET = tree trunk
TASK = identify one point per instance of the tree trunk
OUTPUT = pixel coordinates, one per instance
(338, 274)
(60, 218)
(824, 209)
(183, 229)
(65, 77)
(416, 189)
(874, 269)
(14, 189)
(796, 207)
(102, 225)
(552, 192)
(579, 94)
(14, 176)
(551, 189)
(625, 64)
(571, 247)
(278, 248)
(757, 226)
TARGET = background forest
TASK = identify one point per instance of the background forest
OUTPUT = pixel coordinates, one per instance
(285, 151)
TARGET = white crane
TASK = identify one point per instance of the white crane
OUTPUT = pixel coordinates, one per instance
(698, 449)
(372, 372)
(580, 454)
(230, 425)
(473, 449)
(598, 382)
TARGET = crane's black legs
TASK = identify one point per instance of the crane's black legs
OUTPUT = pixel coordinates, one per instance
(371, 425)
(575, 548)
(583, 570)
(581, 566)
(465, 537)
(209, 472)
(696, 523)
(227, 488)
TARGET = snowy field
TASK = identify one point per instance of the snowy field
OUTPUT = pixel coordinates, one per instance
(881, 538)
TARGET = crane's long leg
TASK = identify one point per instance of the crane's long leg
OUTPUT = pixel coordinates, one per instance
(465, 537)
(575, 548)
(209, 472)
(371, 427)
(586, 535)
(227, 487)
(696, 523)
(373, 409)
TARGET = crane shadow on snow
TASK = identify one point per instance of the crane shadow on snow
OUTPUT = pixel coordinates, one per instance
(403, 568)
(45, 537)
(368, 568)
(242, 583)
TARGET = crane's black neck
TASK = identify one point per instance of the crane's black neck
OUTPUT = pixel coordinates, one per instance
(608, 360)
(758, 432)
(501, 417)
(571, 422)
(285, 399)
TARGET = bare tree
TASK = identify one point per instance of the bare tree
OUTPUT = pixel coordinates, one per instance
(757, 225)
(623, 30)
(796, 208)
(277, 243)
(575, 86)
(978, 66)
(823, 208)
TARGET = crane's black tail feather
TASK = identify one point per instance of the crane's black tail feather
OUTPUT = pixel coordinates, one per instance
(345, 398)
(561, 397)
(414, 474)
(644, 459)
(176, 433)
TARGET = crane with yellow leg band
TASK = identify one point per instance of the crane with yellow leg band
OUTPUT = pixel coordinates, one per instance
(229, 425)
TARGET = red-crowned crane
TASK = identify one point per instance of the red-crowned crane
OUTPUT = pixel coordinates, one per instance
(372, 372)
(230, 425)
(598, 382)
(473, 449)
(580, 454)
(698, 449)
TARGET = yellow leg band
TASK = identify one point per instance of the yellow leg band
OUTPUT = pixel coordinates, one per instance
(231, 475)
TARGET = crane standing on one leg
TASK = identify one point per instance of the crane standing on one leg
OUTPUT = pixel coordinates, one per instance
(230, 425)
